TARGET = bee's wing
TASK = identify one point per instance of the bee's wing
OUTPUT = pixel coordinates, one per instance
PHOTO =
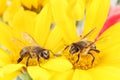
(89, 33)
(28, 38)
(18, 43)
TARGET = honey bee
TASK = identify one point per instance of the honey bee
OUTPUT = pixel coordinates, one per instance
(34, 51)
(83, 46)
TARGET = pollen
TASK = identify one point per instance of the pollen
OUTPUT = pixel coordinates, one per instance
(81, 60)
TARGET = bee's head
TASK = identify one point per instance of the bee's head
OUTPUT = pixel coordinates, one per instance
(73, 48)
(45, 54)
(79, 46)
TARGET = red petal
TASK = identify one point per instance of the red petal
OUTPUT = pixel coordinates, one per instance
(113, 17)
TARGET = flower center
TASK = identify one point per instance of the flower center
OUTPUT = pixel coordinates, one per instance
(37, 10)
(83, 60)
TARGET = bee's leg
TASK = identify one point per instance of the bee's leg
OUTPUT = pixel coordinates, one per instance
(97, 51)
(78, 58)
(92, 56)
(38, 59)
(20, 59)
(56, 55)
(28, 60)
(51, 52)
(66, 47)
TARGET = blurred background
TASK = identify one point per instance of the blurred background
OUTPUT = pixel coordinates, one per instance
(80, 24)
(115, 2)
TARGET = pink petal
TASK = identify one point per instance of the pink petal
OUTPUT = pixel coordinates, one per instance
(113, 17)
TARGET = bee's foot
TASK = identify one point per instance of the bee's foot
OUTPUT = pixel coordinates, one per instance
(19, 60)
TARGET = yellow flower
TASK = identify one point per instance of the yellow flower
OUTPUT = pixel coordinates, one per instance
(14, 6)
(106, 65)
(11, 43)
(65, 13)
(3, 6)
(38, 26)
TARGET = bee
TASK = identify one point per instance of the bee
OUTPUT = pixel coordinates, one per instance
(84, 47)
(34, 51)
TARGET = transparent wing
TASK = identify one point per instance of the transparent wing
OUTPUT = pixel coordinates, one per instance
(18, 43)
(28, 38)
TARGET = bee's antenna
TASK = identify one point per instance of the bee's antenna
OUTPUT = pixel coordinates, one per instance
(54, 53)
(66, 47)
(98, 39)
(95, 41)
(50, 51)
(88, 33)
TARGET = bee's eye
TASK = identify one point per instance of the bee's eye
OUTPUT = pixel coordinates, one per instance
(45, 54)
(73, 49)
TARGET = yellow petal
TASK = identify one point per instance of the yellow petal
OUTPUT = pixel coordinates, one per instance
(110, 49)
(110, 58)
(10, 71)
(11, 68)
(11, 10)
(66, 75)
(5, 36)
(81, 75)
(2, 63)
(76, 9)
(110, 37)
(32, 3)
(58, 64)
(23, 21)
(105, 73)
(96, 15)
(44, 2)
(62, 20)
(4, 58)
(43, 23)
(54, 41)
(37, 73)
(10, 76)
(3, 6)
(27, 3)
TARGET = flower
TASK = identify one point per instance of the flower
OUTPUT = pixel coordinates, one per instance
(33, 3)
(3, 5)
(26, 27)
(65, 18)
(27, 23)
(106, 64)
(13, 7)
